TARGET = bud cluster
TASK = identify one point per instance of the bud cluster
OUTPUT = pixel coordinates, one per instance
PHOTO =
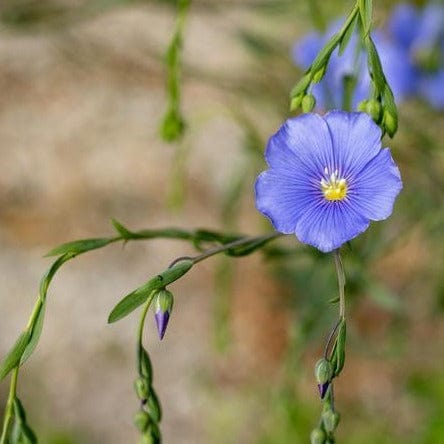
(326, 369)
(149, 415)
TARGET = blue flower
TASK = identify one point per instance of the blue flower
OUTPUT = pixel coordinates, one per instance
(352, 63)
(420, 34)
(327, 179)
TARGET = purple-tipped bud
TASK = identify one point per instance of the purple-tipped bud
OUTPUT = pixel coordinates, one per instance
(163, 305)
(323, 389)
(162, 318)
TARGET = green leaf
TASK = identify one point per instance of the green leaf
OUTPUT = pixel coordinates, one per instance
(324, 55)
(35, 335)
(248, 248)
(374, 62)
(347, 36)
(145, 367)
(80, 246)
(365, 11)
(12, 359)
(153, 407)
(301, 86)
(340, 348)
(47, 278)
(123, 231)
(141, 294)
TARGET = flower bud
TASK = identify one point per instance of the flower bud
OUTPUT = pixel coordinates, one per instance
(141, 420)
(296, 102)
(163, 306)
(330, 420)
(317, 77)
(142, 388)
(323, 371)
(390, 123)
(317, 436)
(308, 103)
(373, 108)
(362, 106)
(323, 374)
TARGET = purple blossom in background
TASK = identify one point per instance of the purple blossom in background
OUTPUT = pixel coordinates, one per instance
(327, 179)
(329, 92)
(420, 34)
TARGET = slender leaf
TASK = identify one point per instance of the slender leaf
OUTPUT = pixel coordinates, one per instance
(12, 359)
(123, 231)
(347, 36)
(80, 246)
(141, 294)
(340, 349)
(35, 335)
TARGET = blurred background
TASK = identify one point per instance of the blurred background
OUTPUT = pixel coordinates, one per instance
(82, 95)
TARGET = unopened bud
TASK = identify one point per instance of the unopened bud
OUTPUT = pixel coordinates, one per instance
(163, 306)
(390, 123)
(317, 77)
(317, 436)
(362, 106)
(323, 389)
(330, 420)
(374, 109)
(323, 371)
(308, 103)
(141, 420)
(296, 102)
(142, 388)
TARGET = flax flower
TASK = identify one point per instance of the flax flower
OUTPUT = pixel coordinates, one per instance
(328, 177)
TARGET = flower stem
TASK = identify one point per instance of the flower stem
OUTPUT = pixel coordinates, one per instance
(9, 406)
(341, 283)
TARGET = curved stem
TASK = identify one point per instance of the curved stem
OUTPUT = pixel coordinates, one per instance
(237, 243)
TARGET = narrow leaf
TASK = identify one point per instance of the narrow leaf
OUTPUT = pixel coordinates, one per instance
(12, 359)
(35, 335)
(80, 246)
(141, 294)
(340, 348)
(347, 36)
(123, 231)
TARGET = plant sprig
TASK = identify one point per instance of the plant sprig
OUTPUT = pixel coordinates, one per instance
(381, 103)
(208, 243)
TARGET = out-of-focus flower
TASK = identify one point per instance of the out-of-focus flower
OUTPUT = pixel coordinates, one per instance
(349, 70)
(327, 179)
(420, 34)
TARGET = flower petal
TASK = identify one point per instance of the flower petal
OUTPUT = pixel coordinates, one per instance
(356, 140)
(307, 137)
(283, 196)
(328, 225)
(374, 190)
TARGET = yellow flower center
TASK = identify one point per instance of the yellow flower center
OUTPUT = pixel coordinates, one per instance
(333, 187)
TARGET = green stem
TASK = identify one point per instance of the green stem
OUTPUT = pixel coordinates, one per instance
(9, 406)
(341, 283)
(142, 320)
(228, 246)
